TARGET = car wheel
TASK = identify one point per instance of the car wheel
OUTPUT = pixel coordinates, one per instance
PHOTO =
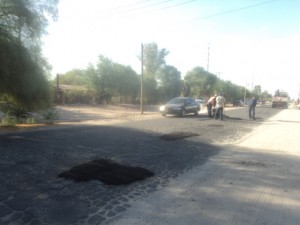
(183, 113)
(196, 113)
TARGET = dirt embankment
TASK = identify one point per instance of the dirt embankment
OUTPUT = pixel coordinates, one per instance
(104, 113)
(88, 114)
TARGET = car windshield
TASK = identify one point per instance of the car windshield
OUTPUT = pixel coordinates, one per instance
(177, 101)
(283, 94)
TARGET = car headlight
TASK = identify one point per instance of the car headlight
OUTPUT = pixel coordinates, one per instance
(162, 108)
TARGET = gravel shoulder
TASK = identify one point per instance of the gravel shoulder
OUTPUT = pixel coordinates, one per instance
(254, 181)
(103, 114)
(90, 115)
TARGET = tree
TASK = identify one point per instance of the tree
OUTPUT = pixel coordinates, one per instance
(231, 91)
(21, 77)
(257, 90)
(110, 80)
(27, 20)
(73, 77)
(170, 83)
(265, 96)
(200, 82)
(22, 67)
(150, 90)
(93, 83)
(154, 58)
(128, 83)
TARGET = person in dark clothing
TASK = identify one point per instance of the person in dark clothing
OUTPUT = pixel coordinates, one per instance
(252, 104)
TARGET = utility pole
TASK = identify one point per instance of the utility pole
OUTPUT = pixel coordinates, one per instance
(298, 92)
(57, 89)
(57, 82)
(142, 77)
(207, 68)
(245, 94)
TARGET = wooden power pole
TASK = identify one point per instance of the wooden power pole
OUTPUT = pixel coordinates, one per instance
(142, 77)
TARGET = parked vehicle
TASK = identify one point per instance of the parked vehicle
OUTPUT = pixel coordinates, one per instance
(202, 102)
(180, 106)
(280, 99)
(237, 103)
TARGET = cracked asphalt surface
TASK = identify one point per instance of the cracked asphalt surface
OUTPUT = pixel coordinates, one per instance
(32, 193)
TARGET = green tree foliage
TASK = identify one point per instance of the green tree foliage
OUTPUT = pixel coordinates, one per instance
(265, 96)
(73, 77)
(150, 90)
(110, 82)
(22, 67)
(154, 58)
(231, 91)
(21, 77)
(257, 90)
(27, 20)
(127, 83)
(200, 82)
(93, 83)
(110, 79)
(170, 83)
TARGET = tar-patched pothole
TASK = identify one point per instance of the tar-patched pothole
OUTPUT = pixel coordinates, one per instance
(177, 135)
(106, 171)
(251, 163)
(215, 125)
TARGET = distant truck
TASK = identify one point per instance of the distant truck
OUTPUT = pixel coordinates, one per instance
(280, 99)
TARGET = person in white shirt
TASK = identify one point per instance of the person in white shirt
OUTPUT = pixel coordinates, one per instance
(220, 104)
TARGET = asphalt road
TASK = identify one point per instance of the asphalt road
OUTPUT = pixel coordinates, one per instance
(32, 193)
(254, 181)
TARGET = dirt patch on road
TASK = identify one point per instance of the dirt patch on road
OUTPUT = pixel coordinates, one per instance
(177, 136)
(84, 113)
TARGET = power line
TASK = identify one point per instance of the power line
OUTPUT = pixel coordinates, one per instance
(172, 6)
(161, 5)
(151, 10)
(229, 11)
(135, 8)
(126, 6)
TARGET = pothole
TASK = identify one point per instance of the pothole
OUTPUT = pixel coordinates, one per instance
(251, 163)
(215, 125)
(177, 135)
(106, 171)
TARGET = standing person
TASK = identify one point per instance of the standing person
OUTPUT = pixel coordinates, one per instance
(210, 104)
(252, 104)
(220, 104)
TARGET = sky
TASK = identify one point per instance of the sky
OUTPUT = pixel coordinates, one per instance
(248, 42)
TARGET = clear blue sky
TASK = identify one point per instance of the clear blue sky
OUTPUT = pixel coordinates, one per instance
(251, 42)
